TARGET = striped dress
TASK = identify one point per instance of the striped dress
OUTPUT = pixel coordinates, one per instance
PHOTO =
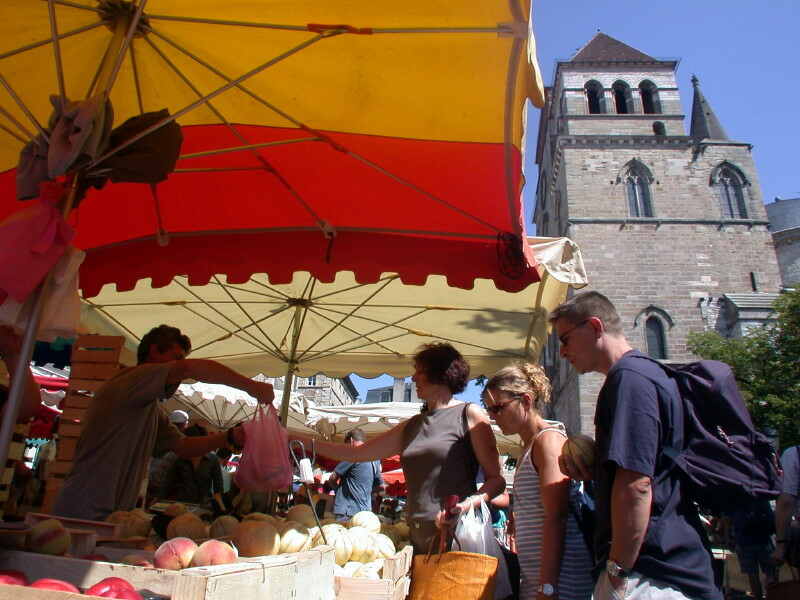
(575, 579)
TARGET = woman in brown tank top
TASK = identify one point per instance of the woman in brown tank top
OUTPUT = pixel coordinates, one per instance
(440, 449)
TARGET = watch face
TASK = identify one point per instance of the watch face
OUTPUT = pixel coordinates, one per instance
(548, 590)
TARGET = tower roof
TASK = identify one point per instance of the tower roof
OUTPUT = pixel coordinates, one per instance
(705, 124)
(604, 48)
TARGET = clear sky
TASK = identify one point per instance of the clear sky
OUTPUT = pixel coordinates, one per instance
(745, 52)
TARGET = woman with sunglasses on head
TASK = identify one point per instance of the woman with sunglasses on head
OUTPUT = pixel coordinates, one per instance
(440, 449)
(554, 560)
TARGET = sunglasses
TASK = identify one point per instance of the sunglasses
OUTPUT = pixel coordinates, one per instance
(564, 337)
(496, 409)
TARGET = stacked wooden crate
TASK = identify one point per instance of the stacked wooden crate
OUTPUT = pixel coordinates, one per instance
(16, 449)
(394, 583)
(95, 359)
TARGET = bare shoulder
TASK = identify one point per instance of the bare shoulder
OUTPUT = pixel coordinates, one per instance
(476, 415)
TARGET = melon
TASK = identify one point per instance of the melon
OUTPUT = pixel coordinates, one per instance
(256, 538)
(366, 519)
(189, 526)
(338, 539)
(363, 545)
(383, 545)
(294, 537)
(223, 526)
(303, 514)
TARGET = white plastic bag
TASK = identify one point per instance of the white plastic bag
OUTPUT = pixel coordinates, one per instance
(474, 533)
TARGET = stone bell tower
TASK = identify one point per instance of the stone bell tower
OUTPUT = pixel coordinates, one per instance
(673, 226)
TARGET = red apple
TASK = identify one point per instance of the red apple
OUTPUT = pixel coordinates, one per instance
(114, 587)
(11, 577)
(55, 584)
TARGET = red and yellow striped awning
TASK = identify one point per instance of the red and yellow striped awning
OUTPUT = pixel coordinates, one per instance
(357, 135)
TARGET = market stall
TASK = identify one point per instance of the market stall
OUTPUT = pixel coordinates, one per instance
(253, 185)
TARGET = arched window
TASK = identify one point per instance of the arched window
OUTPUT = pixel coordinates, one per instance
(595, 96)
(623, 100)
(651, 105)
(730, 185)
(654, 323)
(656, 338)
(637, 179)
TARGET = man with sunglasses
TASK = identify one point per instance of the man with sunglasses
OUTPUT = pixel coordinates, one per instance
(649, 543)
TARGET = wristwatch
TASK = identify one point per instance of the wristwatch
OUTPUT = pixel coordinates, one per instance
(547, 589)
(614, 569)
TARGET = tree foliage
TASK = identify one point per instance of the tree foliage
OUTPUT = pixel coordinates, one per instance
(767, 366)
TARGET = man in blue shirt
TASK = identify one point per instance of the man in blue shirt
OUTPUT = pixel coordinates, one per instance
(649, 542)
(354, 482)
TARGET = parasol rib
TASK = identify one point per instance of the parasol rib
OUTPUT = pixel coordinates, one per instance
(107, 85)
(19, 125)
(240, 329)
(109, 316)
(332, 329)
(136, 82)
(255, 341)
(56, 49)
(247, 147)
(24, 108)
(76, 5)
(214, 94)
(13, 134)
(353, 287)
(61, 36)
(247, 314)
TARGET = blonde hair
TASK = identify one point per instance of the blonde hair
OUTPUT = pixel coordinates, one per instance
(522, 378)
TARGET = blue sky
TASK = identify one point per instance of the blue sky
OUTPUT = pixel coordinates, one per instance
(745, 52)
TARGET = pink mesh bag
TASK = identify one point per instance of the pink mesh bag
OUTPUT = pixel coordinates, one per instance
(264, 465)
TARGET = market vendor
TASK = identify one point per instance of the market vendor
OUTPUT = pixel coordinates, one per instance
(125, 425)
(10, 346)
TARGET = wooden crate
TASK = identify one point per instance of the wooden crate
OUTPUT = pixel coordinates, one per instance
(314, 573)
(273, 577)
(101, 528)
(393, 585)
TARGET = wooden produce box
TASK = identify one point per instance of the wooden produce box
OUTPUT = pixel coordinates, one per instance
(273, 577)
(314, 573)
(101, 528)
(393, 585)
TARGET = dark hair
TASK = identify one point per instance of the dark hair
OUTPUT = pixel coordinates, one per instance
(163, 337)
(355, 435)
(585, 305)
(443, 365)
(224, 453)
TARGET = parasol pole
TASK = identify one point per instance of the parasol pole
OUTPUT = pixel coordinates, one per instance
(291, 366)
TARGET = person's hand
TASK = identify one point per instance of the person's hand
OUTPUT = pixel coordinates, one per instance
(262, 392)
(617, 584)
(450, 518)
(573, 467)
(10, 342)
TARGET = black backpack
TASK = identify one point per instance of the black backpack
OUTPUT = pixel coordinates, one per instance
(724, 460)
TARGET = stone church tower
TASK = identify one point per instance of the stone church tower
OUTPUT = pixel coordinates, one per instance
(673, 226)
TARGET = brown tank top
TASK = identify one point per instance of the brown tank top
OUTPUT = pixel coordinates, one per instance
(438, 460)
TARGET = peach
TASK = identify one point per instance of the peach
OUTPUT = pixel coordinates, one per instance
(49, 537)
(214, 552)
(175, 554)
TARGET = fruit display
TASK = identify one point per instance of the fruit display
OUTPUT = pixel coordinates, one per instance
(175, 554)
(303, 514)
(295, 537)
(110, 587)
(223, 526)
(214, 552)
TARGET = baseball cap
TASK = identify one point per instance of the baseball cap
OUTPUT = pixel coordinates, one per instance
(178, 417)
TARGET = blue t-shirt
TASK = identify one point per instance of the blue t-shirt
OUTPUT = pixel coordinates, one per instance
(356, 481)
(638, 412)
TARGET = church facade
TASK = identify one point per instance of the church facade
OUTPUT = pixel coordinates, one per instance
(672, 225)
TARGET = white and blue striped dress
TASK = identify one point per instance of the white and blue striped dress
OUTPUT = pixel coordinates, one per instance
(575, 579)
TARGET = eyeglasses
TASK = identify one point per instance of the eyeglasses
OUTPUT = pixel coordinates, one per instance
(496, 409)
(564, 337)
